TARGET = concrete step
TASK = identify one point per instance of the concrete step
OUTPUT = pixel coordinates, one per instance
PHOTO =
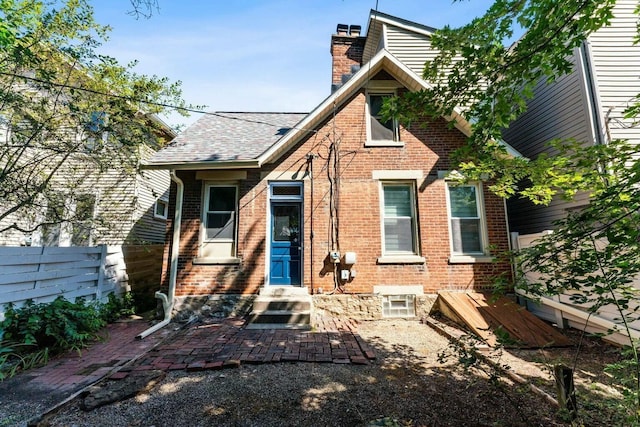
(292, 303)
(283, 291)
(281, 307)
(291, 326)
(284, 317)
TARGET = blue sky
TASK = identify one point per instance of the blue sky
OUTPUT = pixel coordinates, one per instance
(243, 55)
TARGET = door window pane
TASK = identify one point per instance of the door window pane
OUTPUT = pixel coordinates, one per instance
(286, 222)
(286, 190)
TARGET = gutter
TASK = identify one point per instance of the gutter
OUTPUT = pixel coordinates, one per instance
(168, 300)
(210, 165)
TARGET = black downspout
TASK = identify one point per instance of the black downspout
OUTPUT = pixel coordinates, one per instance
(310, 158)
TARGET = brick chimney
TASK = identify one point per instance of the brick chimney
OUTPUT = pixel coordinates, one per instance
(347, 48)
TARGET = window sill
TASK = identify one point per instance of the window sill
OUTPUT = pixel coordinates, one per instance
(470, 259)
(401, 259)
(383, 143)
(216, 261)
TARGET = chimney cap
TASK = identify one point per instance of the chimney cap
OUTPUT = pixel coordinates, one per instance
(342, 29)
(354, 30)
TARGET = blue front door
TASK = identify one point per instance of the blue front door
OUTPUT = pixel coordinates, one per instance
(285, 258)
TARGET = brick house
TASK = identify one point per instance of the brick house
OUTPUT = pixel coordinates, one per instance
(335, 203)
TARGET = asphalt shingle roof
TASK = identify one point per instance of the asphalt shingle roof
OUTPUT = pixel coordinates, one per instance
(226, 137)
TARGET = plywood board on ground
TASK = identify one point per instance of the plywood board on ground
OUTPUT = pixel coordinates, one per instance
(489, 319)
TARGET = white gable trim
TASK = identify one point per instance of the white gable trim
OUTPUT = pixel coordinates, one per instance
(382, 60)
(414, 27)
(377, 31)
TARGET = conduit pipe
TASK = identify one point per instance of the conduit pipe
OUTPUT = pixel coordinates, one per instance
(168, 300)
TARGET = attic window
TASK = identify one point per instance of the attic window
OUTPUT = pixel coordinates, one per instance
(380, 132)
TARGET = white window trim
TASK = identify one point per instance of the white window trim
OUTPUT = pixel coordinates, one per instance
(400, 257)
(166, 209)
(396, 142)
(228, 259)
(472, 257)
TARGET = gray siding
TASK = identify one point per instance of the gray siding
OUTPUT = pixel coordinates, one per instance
(558, 110)
(124, 201)
(564, 109)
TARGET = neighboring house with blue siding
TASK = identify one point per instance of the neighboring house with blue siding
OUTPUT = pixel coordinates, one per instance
(587, 105)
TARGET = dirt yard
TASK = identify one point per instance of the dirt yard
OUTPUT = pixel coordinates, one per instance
(407, 385)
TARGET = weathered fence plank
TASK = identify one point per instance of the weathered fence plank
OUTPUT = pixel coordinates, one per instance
(44, 273)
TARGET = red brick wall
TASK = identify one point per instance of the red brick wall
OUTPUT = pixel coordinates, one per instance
(345, 51)
(427, 148)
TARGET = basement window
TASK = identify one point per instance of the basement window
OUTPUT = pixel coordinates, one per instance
(398, 306)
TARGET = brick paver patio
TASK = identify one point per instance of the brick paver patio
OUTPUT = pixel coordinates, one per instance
(209, 344)
(206, 345)
(218, 344)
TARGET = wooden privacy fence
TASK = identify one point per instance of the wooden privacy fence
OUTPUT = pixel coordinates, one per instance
(563, 310)
(144, 271)
(44, 273)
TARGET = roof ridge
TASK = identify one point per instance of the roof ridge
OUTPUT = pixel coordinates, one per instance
(261, 112)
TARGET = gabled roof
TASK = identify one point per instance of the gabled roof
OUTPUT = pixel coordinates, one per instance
(224, 138)
(250, 140)
(382, 60)
(377, 20)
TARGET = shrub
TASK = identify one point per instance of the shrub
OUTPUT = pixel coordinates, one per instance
(58, 326)
(117, 306)
(30, 333)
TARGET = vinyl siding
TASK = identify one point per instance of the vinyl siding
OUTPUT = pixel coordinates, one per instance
(151, 185)
(411, 48)
(558, 110)
(616, 64)
(561, 109)
(123, 211)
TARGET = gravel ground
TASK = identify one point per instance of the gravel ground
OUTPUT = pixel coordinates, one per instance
(406, 384)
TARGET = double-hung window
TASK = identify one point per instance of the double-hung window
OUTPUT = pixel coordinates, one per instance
(96, 131)
(466, 219)
(380, 131)
(399, 219)
(219, 221)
